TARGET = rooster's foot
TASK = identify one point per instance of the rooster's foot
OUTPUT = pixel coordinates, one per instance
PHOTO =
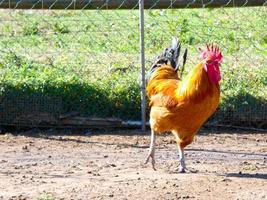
(181, 169)
(151, 155)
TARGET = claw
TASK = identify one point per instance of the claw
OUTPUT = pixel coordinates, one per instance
(181, 169)
(151, 155)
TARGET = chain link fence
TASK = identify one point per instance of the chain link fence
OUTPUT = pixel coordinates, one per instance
(57, 63)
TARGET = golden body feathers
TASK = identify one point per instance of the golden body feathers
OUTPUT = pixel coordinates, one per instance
(181, 106)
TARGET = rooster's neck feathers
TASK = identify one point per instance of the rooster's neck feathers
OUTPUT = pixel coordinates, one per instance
(196, 85)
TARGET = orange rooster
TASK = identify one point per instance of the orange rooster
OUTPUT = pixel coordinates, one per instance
(182, 105)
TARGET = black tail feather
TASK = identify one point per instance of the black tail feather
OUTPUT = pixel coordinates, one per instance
(170, 56)
(184, 61)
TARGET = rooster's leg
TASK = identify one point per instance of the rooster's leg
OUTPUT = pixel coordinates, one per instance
(181, 168)
(151, 153)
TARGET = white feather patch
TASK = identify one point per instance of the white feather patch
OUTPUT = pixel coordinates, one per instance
(174, 43)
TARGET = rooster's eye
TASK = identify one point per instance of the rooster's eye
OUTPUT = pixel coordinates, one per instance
(212, 62)
(209, 61)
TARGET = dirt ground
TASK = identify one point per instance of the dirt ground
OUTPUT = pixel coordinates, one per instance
(68, 164)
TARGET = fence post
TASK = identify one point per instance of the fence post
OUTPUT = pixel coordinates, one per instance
(142, 61)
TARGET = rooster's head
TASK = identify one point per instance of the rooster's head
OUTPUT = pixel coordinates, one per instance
(213, 58)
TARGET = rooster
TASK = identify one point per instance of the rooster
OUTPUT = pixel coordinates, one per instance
(182, 105)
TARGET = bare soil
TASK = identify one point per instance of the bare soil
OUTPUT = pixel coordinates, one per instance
(110, 165)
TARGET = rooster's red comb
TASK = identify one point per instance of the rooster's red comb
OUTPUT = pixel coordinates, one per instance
(212, 53)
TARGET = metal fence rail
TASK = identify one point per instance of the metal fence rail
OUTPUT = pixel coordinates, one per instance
(73, 53)
(124, 4)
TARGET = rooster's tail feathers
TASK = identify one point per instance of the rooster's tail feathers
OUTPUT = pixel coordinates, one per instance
(176, 49)
(183, 63)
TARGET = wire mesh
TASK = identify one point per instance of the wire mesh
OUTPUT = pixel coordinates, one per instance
(90, 58)
(240, 34)
(85, 57)
(30, 110)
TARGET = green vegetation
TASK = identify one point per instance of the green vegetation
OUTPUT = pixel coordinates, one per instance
(46, 196)
(249, 166)
(90, 58)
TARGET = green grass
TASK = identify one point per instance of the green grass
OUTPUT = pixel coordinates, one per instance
(46, 196)
(90, 59)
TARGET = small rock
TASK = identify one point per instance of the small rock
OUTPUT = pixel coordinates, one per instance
(225, 180)
(185, 197)
(25, 147)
